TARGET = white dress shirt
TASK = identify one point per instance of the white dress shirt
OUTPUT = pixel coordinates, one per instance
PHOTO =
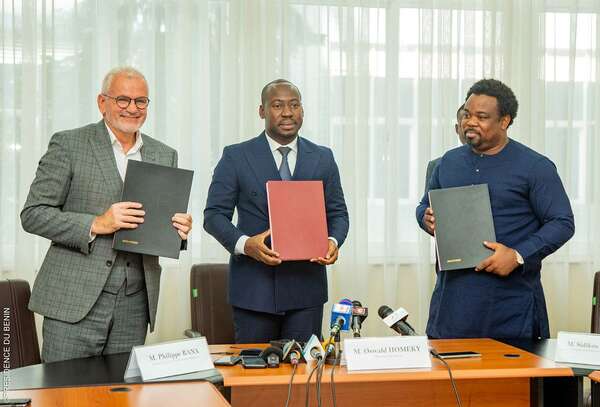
(292, 155)
(121, 157)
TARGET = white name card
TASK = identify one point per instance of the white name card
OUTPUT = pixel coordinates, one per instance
(390, 352)
(581, 348)
(169, 359)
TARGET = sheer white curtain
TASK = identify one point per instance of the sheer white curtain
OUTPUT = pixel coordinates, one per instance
(381, 81)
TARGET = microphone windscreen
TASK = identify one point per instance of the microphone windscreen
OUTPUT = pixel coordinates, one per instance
(384, 311)
(271, 350)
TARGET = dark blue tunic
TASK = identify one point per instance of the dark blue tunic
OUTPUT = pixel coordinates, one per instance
(532, 215)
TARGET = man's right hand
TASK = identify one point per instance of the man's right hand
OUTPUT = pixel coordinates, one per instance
(256, 248)
(429, 221)
(120, 215)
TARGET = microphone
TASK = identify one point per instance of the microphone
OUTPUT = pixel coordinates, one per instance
(342, 309)
(341, 313)
(313, 349)
(396, 320)
(337, 326)
(316, 353)
(272, 355)
(335, 330)
(359, 314)
(292, 352)
(295, 357)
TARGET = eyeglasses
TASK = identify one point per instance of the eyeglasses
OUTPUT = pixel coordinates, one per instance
(124, 101)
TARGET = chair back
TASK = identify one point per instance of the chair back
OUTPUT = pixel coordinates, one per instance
(212, 316)
(18, 324)
(596, 304)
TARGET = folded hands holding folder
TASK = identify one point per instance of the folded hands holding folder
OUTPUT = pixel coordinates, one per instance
(154, 202)
(256, 248)
(502, 262)
(128, 215)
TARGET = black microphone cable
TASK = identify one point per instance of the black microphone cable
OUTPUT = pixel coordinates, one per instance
(319, 379)
(320, 369)
(437, 356)
(330, 342)
(335, 362)
(319, 358)
(289, 395)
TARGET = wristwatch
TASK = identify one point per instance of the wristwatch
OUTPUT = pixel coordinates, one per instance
(519, 258)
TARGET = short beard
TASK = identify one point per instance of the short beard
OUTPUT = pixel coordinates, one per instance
(124, 127)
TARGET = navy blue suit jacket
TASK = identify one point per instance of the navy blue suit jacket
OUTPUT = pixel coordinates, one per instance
(239, 181)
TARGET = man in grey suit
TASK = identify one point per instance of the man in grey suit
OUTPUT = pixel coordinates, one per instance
(94, 299)
(461, 136)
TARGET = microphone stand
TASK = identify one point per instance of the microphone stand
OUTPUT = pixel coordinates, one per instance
(337, 351)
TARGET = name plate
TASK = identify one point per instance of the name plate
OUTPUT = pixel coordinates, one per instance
(580, 348)
(390, 352)
(169, 359)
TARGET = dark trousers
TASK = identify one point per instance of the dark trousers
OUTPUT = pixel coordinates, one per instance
(261, 327)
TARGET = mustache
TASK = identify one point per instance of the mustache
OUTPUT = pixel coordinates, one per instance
(131, 115)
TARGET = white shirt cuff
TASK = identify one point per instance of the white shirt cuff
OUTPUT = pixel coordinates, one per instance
(240, 244)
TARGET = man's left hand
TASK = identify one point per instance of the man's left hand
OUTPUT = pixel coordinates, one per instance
(330, 257)
(183, 223)
(502, 262)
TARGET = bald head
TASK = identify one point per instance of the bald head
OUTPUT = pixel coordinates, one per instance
(264, 95)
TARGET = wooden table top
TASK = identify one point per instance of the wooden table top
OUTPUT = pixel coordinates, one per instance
(143, 395)
(492, 364)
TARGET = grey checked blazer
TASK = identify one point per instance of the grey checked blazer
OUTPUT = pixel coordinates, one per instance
(76, 180)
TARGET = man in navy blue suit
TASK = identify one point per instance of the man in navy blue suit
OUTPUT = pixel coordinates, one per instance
(272, 299)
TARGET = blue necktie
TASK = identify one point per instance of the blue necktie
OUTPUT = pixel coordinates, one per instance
(284, 168)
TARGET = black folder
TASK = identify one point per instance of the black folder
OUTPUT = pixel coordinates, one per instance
(463, 220)
(162, 191)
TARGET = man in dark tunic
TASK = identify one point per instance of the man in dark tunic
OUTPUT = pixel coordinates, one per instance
(503, 296)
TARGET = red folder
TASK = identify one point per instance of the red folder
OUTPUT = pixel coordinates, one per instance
(297, 219)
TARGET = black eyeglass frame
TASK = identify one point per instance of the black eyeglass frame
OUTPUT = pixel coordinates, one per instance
(143, 100)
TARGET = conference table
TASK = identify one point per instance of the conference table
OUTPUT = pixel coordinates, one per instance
(142, 395)
(503, 376)
(509, 373)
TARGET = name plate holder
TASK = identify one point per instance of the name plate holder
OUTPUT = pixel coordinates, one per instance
(578, 348)
(151, 362)
(390, 352)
